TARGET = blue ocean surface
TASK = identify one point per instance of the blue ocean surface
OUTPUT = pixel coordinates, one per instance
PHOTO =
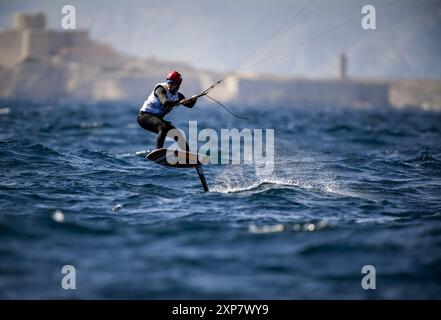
(350, 187)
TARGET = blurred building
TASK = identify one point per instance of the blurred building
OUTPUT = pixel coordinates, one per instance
(38, 63)
(255, 89)
(333, 92)
(29, 40)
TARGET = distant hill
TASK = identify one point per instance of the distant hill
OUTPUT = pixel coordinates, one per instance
(37, 63)
(217, 35)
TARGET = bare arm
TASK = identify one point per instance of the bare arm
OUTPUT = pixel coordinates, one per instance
(187, 103)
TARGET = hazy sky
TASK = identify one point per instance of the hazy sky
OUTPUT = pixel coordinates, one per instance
(217, 35)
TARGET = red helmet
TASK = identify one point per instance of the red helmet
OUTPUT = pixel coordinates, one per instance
(176, 77)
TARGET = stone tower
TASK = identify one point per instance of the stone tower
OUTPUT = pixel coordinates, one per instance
(29, 21)
(34, 42)
(342, 66)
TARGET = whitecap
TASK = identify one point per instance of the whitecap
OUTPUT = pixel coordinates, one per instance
(4, 111)
(117, 207)
(289, 227)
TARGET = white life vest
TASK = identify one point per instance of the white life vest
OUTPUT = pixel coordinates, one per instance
(153, 105)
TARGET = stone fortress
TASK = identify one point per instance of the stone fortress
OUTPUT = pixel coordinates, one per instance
(41, 64)
(29, 40)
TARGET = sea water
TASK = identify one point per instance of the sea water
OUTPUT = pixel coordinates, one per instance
(350, 187)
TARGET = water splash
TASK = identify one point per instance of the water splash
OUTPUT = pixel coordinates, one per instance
(58, 216)
(231, 186)
(141, 154)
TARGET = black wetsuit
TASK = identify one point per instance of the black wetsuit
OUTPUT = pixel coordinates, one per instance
(156, 123)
